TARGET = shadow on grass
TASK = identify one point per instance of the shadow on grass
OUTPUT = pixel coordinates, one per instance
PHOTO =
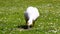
(23, 27)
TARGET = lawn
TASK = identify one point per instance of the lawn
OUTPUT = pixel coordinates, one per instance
(12, 16)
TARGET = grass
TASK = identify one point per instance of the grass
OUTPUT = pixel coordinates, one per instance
(12, 16)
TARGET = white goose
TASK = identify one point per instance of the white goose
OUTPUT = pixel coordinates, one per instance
(31, 14)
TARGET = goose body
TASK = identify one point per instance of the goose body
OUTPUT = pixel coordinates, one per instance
(31, 14)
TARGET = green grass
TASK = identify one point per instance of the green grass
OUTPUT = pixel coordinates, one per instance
(12, 15)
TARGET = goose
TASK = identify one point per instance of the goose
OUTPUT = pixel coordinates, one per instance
(31, 14)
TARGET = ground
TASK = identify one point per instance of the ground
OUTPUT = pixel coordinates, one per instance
(12, 16)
